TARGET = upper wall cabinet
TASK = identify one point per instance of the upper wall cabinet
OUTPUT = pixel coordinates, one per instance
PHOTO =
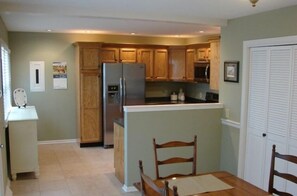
(128, 55)
(202, 54)
(89, 56)
(177, 63)
(118, 55)
(161, 64)
(109, 55)
(214, 64)
(190, 58)
(146, 56)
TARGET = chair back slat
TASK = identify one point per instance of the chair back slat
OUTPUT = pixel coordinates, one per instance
(175, 159)
(284, 175)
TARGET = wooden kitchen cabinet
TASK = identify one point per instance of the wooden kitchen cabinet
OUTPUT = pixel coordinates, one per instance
(177, 63)
(23, 147)
(214, 64)
(146, 56)
(119, 152)
(89, 98)
(160, 64)
(190, 58)
(118, 55)
(90, 104)
(109, 55)
(202, 54)
(89, 58)
(128, 55)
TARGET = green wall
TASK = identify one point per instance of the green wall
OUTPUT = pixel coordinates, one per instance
(57, 108)
(142, 127)
(277, 23)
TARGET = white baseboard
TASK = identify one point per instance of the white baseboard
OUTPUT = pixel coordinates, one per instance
(58, 141)
(129, 188)
(8, 192)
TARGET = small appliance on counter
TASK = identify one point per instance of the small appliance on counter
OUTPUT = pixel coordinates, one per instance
(173, 97)
(211, 97)
(181, 95)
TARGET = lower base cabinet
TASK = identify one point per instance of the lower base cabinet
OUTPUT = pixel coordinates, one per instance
(23, 147)
(119, 152)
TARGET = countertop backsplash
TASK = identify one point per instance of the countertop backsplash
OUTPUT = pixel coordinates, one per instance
(164, 89)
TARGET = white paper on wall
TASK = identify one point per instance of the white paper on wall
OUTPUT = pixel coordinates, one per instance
(37, 83)
(60, 75)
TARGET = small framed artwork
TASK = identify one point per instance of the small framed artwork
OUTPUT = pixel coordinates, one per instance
(231, 71)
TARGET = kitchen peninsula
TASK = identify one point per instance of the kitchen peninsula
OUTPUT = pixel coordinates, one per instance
(165, 122)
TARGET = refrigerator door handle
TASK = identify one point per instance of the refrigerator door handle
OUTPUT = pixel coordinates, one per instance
(121, 95)
(124, 91)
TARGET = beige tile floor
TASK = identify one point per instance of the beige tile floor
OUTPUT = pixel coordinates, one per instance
(68, 170)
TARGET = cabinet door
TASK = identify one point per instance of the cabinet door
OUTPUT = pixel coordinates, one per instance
(89, 58)
(119, 152)
(109, 55)
(146, 56)
(91, 126)
(190, 57)
(214, 65)
(202, 54)
(161, 64)
(177, 64)
(128, 55)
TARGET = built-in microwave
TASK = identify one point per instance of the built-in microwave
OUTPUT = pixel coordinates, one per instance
(202, 71)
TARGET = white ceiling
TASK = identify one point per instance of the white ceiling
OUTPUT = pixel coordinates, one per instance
(184, 18)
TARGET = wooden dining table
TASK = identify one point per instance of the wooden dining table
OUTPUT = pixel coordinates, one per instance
(239, 186)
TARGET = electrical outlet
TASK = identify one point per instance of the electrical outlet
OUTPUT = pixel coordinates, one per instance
(227, 112)
(200, 96)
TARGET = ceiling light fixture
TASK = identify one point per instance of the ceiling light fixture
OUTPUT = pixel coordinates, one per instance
(254, 2)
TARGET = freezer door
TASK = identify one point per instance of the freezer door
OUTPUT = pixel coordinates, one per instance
(134, 83)
(112, 72)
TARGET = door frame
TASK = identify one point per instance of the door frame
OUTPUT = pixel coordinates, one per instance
(2, 187)
(277, 41)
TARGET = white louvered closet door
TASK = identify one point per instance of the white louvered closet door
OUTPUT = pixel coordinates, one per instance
(278, 108)
(257, 112)
(271, 115)
(292, 140)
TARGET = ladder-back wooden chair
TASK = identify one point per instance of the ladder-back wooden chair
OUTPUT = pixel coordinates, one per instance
(175, 159)
(150, 188)
(274, 172)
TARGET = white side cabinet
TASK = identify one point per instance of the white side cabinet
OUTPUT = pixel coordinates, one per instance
(23, 141)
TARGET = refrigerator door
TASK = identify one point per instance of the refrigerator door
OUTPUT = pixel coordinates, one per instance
(133, 83)
(112, 72)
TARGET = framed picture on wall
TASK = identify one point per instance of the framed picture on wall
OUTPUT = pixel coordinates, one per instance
(231, 71)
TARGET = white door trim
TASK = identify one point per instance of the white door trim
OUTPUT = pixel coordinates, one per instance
(289, 40)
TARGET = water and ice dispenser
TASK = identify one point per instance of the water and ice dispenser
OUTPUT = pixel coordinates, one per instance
(113, 94)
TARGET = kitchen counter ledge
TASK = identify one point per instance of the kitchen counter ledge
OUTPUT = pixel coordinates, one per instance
(172, 107)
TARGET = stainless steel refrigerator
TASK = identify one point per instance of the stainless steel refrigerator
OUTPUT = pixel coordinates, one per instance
(123, 84)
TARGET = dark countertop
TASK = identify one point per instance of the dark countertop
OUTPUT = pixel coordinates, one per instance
(119, 121)
(166, 100)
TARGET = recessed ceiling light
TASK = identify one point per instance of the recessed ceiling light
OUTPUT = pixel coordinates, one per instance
(132, 33)
(49, 30)
(201, 31)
